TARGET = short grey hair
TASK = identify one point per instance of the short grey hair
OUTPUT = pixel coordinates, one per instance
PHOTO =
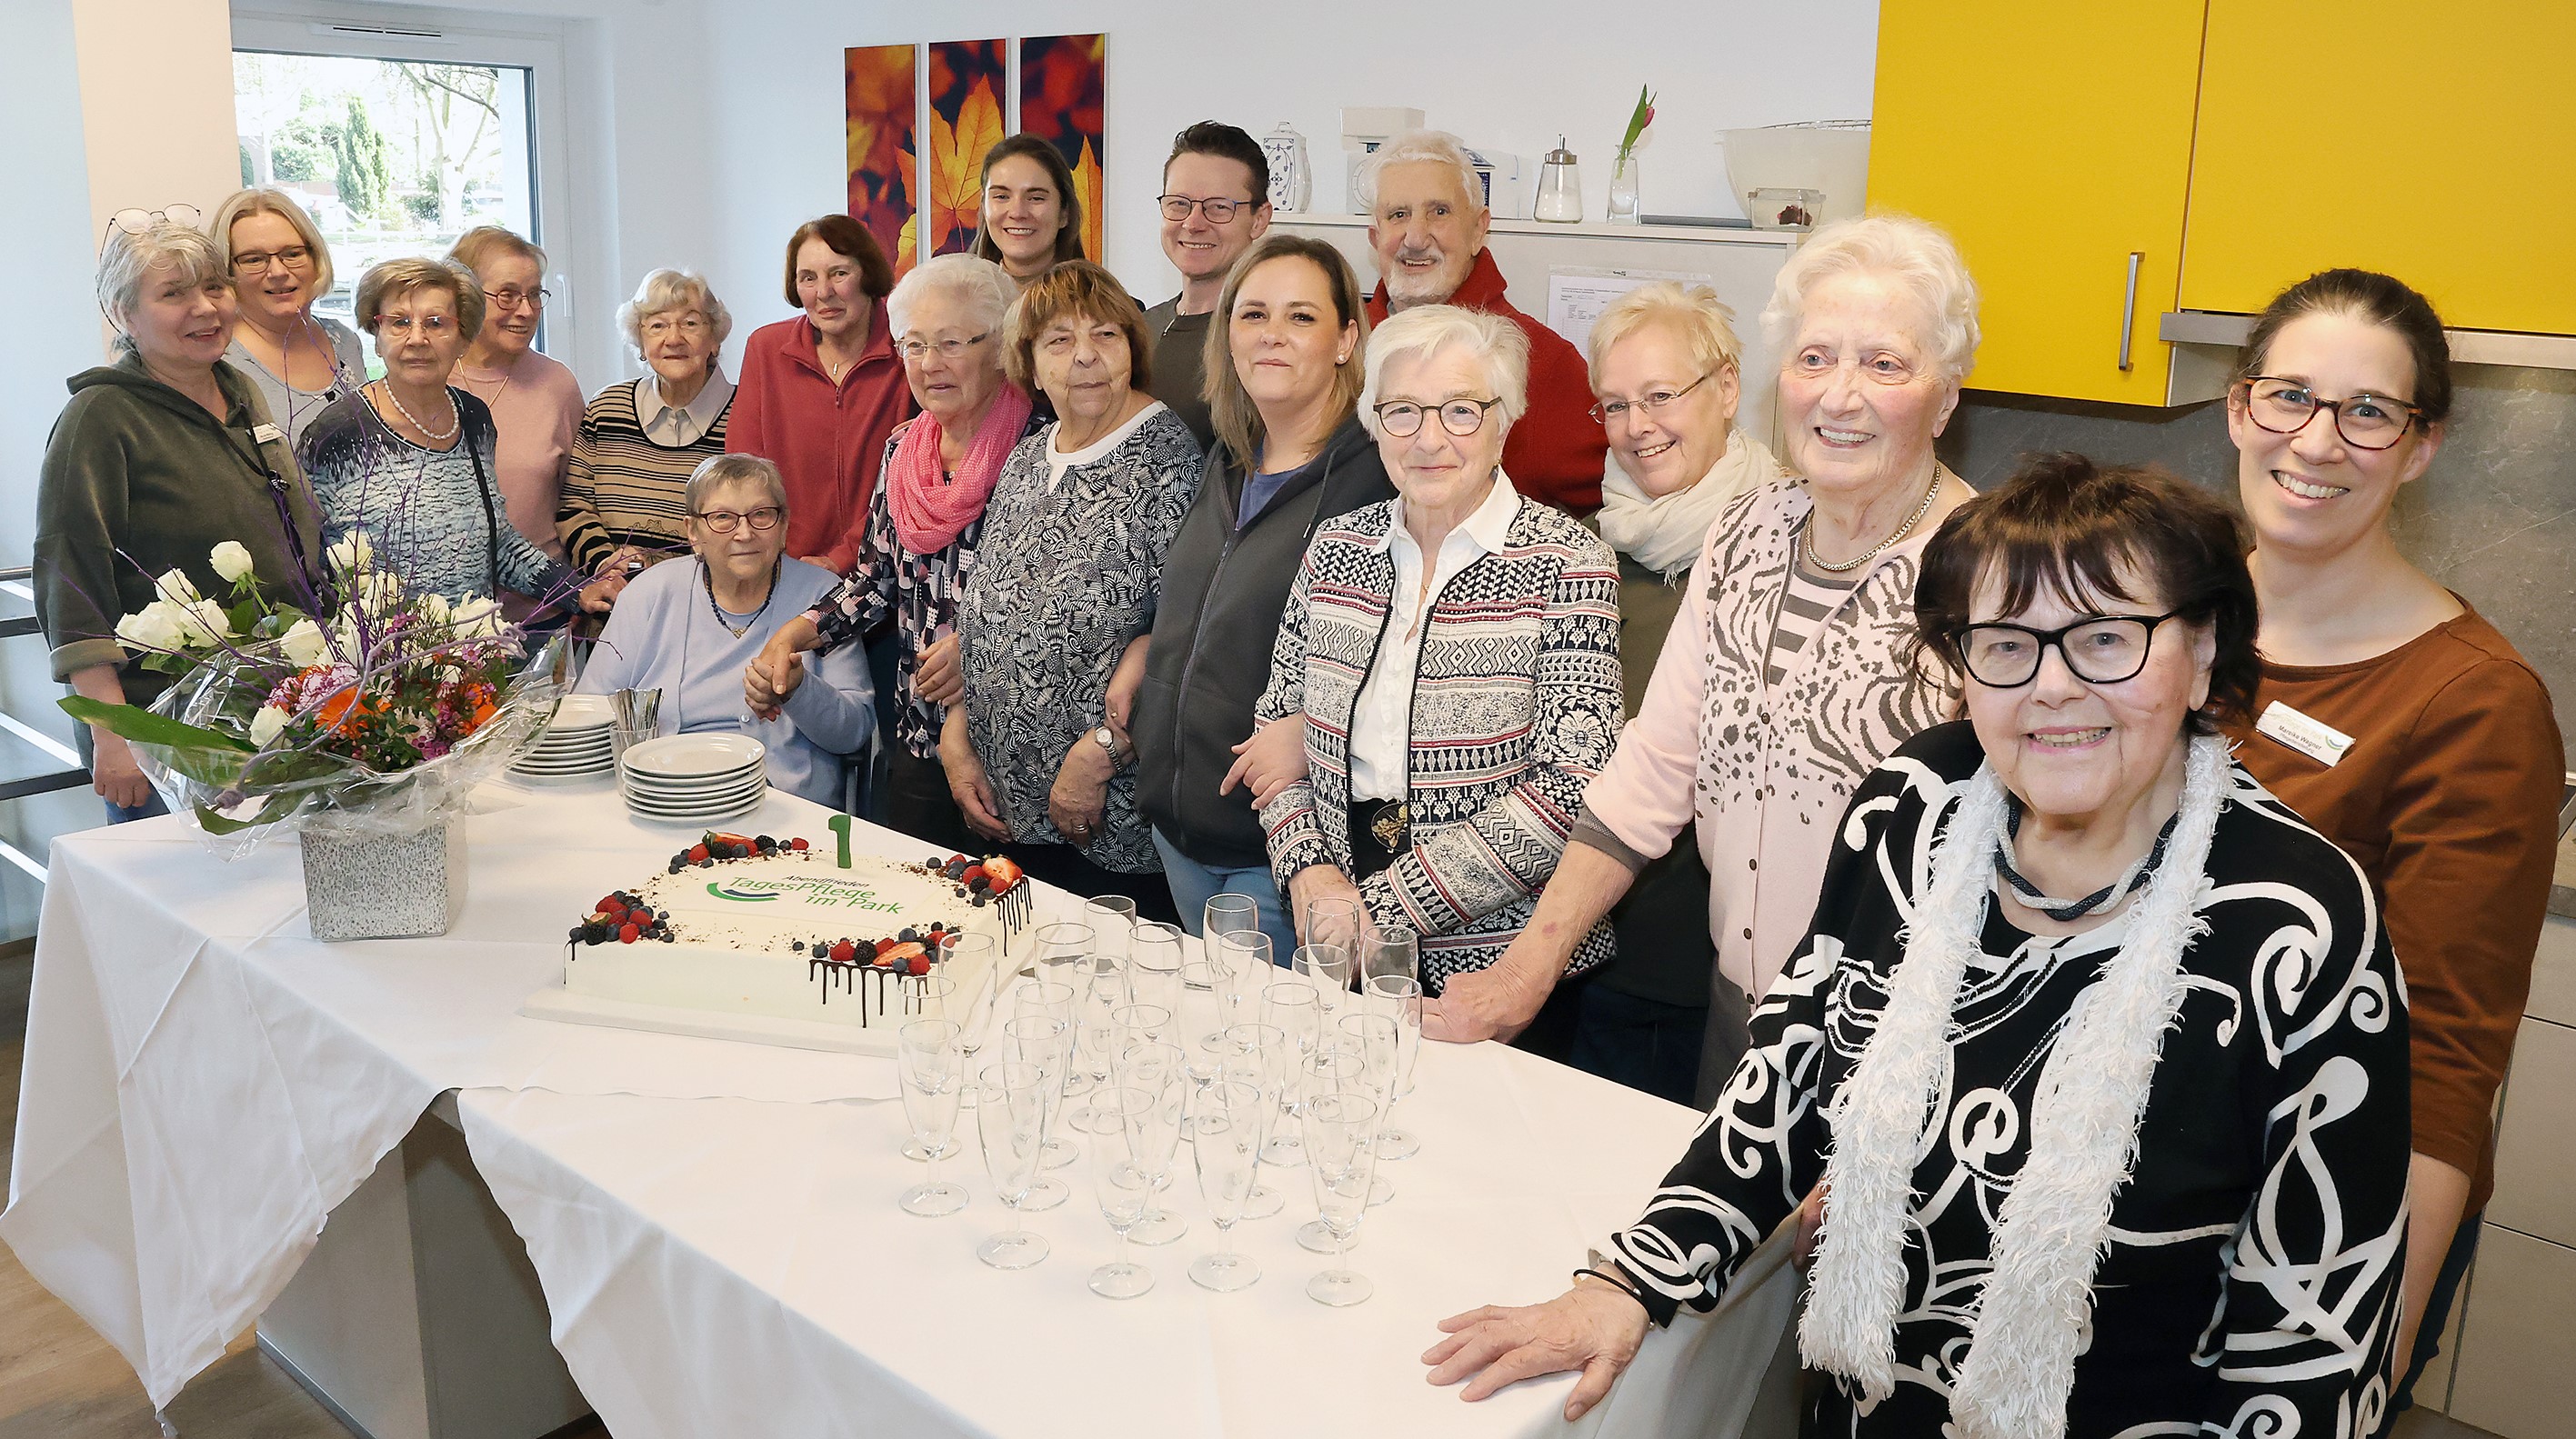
(1426, 330)
(262, 200)
(131, 261)
(665, 291)
(1436, 146)
(717, 471)
(982, 287)
(1917, 255)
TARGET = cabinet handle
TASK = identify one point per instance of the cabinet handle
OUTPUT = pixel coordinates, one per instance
(2129, 310)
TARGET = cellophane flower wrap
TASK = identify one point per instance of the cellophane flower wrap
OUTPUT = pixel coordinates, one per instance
(370, 709)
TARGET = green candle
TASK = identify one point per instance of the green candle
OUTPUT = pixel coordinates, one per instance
(841, 831)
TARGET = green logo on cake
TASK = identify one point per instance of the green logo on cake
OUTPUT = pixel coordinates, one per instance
(721, 891)
(819, 892)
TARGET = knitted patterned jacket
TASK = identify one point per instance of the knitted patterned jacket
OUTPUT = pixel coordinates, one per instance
(1516, 705)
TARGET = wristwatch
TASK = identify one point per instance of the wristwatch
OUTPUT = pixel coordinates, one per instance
(1108, 740)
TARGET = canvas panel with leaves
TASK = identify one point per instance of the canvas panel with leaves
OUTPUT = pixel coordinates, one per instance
(966, 82)
(1064, 95)
(882, 89)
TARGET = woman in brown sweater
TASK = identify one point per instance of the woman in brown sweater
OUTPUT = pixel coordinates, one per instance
(2396, 720)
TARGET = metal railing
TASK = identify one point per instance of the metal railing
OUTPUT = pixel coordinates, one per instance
(73, 772)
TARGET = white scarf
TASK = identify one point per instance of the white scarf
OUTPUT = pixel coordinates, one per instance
(1666, 535)
(2050, 1234)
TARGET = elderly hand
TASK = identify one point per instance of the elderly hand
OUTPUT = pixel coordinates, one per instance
(1124, 681)
(766, 686)
(967, 784)
(619, 558)
(113, 772)
(1491, 1003)
(1272, 758)
(1081, 791)
(1319, 881)
(597, 596)
(1591, 1327)
(938, 678)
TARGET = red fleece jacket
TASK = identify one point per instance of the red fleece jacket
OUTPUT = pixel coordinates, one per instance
(827, 440)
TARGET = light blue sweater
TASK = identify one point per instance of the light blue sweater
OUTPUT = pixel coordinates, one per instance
(663, 635)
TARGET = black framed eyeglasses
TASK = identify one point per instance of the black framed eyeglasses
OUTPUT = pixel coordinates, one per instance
(2100, 650)
(2365, 421)
(1218, 209)
(723, 522)
(1461, 417)
(1650, 403)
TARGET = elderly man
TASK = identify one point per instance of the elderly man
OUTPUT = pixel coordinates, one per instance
(1427, 224)
(1215, 202)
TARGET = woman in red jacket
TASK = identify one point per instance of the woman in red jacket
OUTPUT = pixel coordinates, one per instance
(820, 393)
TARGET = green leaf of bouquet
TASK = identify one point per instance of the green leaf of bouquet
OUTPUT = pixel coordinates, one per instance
(279, 806)
(131, 722)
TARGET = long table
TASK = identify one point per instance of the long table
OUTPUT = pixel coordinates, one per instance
(713, 1223)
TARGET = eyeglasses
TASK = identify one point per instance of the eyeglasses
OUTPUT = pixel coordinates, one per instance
(691, 325)
(947, 349)
(2366, 421)
(1650, 403)
(139, 222)
(430, 325)
(1460, 417)
(2103, 650)
(511, 297)
(1218, 209)
(256, 262)
(723, 521)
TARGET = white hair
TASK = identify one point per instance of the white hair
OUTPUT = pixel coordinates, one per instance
(1427, 330)
(130, 261)
(1917, 255)
(665, 291)
(982, 287)
(717, 471)
(1435, 146)
(1696, 316)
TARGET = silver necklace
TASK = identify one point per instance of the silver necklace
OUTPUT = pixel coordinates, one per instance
(1865, 556)
(455, 418)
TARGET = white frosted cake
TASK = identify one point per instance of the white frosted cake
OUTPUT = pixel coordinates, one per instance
(779, 929)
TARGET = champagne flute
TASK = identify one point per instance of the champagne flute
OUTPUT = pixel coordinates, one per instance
(1140, 1024)
(933, 1070)
(931, 1001)
(1334, 1068)
(1043, 1041)
(1229, 913)
(1394, 950)
(1400, 999)
(1328, 968)
(1227, 1153)
(1199, 1029)
(1243, 966)
(1125, 1186)
(1341, 1153)
(1010, 1115)
(1054, 947)
(1375, 1039)
(1101, 988)
(1112, 918)
(1156, 1070)
(1258, 1054)
(1334, 921)
(1154, 964)
(971, 954)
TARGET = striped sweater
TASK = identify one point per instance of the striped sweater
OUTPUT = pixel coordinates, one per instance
(1516, 705)
(622, 488)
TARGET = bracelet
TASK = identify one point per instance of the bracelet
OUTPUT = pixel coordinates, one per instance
(1624, 1287)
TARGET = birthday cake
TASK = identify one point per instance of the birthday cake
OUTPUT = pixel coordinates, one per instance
(753, 925)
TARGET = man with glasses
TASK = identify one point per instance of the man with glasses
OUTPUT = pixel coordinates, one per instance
(1215, 203)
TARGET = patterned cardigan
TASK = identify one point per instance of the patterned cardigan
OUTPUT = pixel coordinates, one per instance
(1516, 705)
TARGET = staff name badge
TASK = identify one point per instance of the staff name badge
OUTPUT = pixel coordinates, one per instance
(2314, 738)
(265, 433)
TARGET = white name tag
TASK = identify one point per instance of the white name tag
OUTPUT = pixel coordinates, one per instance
(266, 433)
(2316, 739)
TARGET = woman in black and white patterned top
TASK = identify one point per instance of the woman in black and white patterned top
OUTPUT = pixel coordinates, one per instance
(2098, 1050)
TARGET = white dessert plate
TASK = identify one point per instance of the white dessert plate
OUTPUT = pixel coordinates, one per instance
(693, 756)
(657, 789)
(576, 714)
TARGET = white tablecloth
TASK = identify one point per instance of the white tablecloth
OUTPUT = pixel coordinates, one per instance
(718, 1243)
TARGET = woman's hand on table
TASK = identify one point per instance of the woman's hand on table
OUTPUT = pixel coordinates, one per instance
(938, 678)
(1273, 758)
(966, 781)
(1491, 1003)
(1591, 1327)
(1319, 881)
(114, 773)
(1080, 794)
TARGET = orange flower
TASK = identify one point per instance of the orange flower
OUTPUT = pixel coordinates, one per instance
(344, 711)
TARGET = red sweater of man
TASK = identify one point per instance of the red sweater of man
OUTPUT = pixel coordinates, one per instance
(827, 440)
(1555, 454)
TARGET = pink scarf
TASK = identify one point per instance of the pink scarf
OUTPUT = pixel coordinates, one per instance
(930, 509)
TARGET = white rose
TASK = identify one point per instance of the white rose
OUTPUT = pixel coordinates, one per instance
(266, 725)
(175, 586)
(304, 643)
(354, 554)
(434, 608)
(476, 617)
(150, 629)
(203, 623)
(231, 560)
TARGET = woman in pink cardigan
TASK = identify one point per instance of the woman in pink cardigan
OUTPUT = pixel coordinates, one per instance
(1789, 673)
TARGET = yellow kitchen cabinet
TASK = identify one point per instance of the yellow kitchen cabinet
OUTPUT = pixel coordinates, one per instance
(2054, 142)
(2436, 143)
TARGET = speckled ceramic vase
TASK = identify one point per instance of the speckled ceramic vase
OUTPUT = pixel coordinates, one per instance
(380, 886)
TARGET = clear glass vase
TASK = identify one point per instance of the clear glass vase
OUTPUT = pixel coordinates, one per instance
(1623, 191)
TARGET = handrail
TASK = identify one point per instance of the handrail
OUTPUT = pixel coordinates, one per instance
(14, 580)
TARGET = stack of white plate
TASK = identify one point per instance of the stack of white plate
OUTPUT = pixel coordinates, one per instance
(575, 745)
(695, 778)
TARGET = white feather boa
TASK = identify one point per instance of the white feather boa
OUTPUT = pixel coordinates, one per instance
(2050, 1234)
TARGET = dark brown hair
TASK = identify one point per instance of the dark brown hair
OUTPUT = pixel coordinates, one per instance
(1230, 410)
(1068, 241)
(2067, 526)
(1080, 288)
(842, 236)
(1221, 141)
(2380, 300)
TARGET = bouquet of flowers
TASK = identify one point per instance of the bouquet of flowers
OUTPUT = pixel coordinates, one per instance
(370, 709)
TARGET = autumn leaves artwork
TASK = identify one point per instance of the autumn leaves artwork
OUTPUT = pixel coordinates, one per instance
(920, 192)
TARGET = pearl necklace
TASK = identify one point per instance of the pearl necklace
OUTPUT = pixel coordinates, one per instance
(1865, 556)
(455, 417)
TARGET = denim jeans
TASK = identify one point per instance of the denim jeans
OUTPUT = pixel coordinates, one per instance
(125, 814)
(1192, 884)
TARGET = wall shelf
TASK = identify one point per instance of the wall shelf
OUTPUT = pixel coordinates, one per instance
(1589, 229)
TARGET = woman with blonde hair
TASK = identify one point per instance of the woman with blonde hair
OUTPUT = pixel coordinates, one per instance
(299, 361)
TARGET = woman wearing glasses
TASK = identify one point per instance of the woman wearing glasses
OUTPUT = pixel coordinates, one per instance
(1455, 651)
(640, 440)
(2396, 720)
(689, 629)
(534, 399)
(300, 361)
(918, 547)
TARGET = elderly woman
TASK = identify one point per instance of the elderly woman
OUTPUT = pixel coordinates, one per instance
(690, 629)
(535, 401)
(640, 440)
(1666, 374)
(1032, 218)
(2397, 720)
(821, 393)
(1789, 672)
(924, 524)
(1456, 653)
(408, 459)
(299, 361)
(1283, 384)
(2098, 1050)
(159, 457)
(1064, 580)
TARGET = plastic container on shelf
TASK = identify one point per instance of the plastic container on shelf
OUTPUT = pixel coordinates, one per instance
(1831, 156)
(1784, 207)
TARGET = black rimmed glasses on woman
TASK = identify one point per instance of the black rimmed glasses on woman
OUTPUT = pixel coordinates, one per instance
(1650, 403)
(724, 522)
(2365, 421)
(2101, 650)
(1461, 417)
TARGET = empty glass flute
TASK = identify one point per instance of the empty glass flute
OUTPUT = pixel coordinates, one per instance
(1335, 1067)
(933, 1070)
(1229, 913)
(1010, 1116)
(1341, 1154)
(1399, 999)
(1328, 968)
(1258, 1054)
(1156, 1070)
(972, 1004)
(1392, 950)
(1227, 1151)
(1154, 964)
(1040, 1039)
(1334, 921)
(1242, 964)
(1124, 1184)
(1375, 1038)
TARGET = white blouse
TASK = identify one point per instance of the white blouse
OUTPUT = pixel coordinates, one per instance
(1381, 727)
